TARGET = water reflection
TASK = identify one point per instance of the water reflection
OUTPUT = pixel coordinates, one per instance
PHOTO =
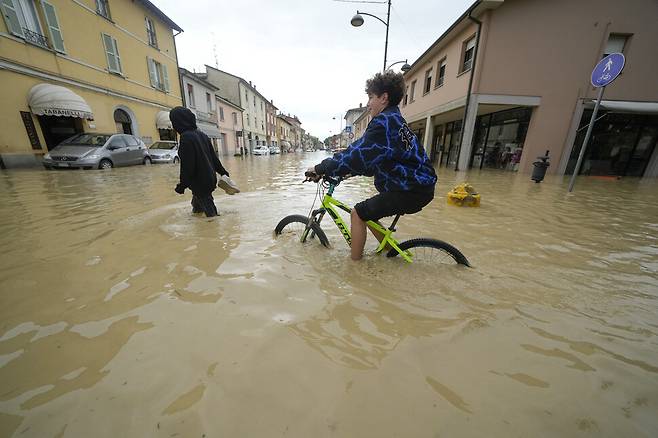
(115, 298)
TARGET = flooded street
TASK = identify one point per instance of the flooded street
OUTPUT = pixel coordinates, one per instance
(124, 315)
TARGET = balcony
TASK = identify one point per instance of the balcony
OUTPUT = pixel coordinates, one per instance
(35, 38)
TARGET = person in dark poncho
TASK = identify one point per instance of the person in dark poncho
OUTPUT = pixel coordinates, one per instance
(198, 162)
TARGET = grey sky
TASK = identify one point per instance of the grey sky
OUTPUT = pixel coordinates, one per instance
(304, 54)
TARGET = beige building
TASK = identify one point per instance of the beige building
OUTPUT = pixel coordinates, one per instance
(270, 124)
(295, 137)
(284, 130)
(229, 119)
(83, 66)
(243, 94)
(510, 80)
(361, 123)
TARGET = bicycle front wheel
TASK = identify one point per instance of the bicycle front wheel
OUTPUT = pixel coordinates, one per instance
(431, 251)
(296, 225)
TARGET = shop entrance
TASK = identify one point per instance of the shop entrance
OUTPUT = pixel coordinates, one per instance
(123, 122)
(621, 144)
(499, 137)
(57, 129)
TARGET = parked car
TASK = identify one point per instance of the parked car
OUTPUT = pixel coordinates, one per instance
(97, 151)
(261, 150)
(164, 151)
(275, 150)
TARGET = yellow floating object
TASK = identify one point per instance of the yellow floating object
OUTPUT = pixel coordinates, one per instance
(464, 195)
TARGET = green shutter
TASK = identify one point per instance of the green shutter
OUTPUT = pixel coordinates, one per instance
(153, 74)
(53, 25)
(11, 18)
(116, 53)
(165, 76)
(109, 53)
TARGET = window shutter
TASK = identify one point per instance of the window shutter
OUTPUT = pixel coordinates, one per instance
(53, 25)
(11, 18)
(153, 74)
(165, 77)
(116, 53)
(109, 52)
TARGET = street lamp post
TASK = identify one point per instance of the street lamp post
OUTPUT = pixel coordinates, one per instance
(357, 21)
(405, 68)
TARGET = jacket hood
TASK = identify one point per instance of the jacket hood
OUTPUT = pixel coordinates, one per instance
(182, 119)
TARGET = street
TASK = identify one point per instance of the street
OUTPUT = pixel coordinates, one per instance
(123, 314)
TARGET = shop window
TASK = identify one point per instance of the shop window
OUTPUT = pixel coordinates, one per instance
(467, 55)
(103, 8)
(112, 54)
(428, 81)
(616, 44)
(158, 74)
(440, 78)
(150, 33)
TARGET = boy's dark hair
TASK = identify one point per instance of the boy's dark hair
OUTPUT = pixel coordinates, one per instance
(387, 82)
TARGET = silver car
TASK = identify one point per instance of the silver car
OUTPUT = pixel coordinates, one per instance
(164, 152)
(97, 151)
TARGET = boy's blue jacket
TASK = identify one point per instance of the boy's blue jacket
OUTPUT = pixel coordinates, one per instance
(390, 152)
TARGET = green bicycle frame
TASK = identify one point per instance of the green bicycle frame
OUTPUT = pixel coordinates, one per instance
(329, 205)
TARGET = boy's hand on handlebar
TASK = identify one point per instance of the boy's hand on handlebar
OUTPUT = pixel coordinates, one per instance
(311, 175)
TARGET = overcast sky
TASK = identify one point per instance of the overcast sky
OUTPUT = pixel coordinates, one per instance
(304, 54)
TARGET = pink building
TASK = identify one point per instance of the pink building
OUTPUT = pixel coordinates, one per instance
(229, 121)
(510, 80)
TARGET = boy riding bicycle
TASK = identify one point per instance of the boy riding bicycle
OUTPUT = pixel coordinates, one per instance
(389, 151)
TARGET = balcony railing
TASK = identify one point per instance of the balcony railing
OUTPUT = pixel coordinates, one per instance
(35, 38)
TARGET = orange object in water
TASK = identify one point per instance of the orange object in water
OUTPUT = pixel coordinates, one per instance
(463, 195)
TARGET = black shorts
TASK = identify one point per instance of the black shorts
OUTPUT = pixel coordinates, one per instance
(392, 203)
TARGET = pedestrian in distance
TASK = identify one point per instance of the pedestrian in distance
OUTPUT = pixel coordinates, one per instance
(389, 151)
(199, 163)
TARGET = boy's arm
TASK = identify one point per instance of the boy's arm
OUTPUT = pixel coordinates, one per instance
(362, 156)
(187, 163)
(216, 164)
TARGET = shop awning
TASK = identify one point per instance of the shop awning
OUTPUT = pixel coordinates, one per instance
(622, 106)
(53, 100)
(210, 131)
(162, 120)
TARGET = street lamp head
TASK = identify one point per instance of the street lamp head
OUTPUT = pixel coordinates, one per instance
(357, 20)
(405, 67)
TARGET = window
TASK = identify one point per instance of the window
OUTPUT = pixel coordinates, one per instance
(246, 97)
(235, 118)
(469, 51)
(22, 20)
(208, 102)
(150, 33)
(442, 73)
(52, 21)
(190, 96)
(158, 74)
(428, 81)
(406, 92)
(248, 120)
(221, 114)
(112, 53)
(103, 8)
(254, 102)
(413, 91)
(616, 44)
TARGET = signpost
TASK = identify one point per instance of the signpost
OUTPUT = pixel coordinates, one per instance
(603, 74)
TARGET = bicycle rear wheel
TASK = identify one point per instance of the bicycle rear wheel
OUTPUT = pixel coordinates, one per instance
(295, 224)
(431, 251)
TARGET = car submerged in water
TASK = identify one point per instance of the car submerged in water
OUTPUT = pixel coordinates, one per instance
(164, 151)
(97, 151)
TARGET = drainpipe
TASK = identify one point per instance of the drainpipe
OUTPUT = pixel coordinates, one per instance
(470, 83)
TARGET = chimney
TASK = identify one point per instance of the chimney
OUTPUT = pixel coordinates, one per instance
(360, 104)
(250, 83)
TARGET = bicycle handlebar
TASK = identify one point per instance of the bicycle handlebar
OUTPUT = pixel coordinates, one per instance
(314, 177)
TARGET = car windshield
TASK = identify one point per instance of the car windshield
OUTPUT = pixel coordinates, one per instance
(162, 145)
(87, 140)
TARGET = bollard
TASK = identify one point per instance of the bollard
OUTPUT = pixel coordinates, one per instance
(539, 171)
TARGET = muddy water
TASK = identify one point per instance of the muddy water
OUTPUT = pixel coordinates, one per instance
(122, 314)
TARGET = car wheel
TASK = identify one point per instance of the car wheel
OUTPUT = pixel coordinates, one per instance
(105, 164)
(147, 161)
(176, 160)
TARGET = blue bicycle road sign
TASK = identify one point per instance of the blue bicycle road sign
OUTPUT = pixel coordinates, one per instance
(608, 69)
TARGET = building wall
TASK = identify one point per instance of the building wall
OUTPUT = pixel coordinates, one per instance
(84, 70)
(230, 127)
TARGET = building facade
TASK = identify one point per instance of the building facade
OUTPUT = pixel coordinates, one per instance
(501, 87)
(229, 119)
(243, 94)
(284, 131)
(270, 124)
(361, 123)
(83, 66)
(295, 137)
(200, 97)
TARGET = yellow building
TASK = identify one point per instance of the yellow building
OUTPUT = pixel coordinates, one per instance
(66, 67)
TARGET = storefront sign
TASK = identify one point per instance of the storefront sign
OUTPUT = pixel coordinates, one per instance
(608, 69)
(67, 113)
(31, 130)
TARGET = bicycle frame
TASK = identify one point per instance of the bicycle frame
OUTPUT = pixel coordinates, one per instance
(329, 205)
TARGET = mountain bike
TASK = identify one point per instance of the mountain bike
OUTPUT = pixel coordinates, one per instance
(308, 228)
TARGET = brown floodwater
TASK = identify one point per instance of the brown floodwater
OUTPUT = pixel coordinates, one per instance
(124, 315)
